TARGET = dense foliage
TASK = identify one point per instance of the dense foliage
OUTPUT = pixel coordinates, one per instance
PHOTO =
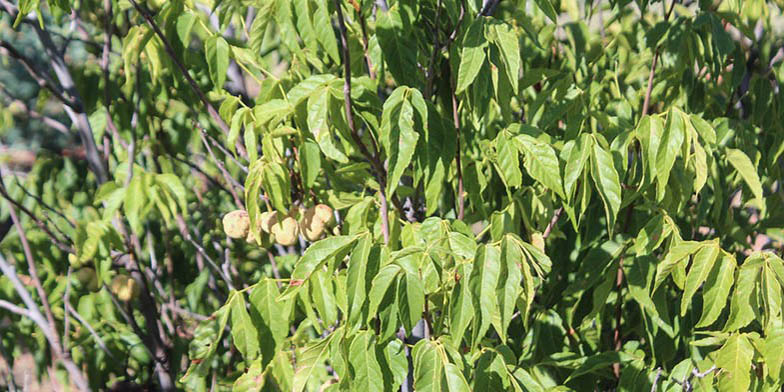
(393, 195)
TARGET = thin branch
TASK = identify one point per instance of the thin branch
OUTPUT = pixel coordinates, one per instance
(553, 221)
(16, 309)
(656, 379)
(229, 179)
(380, 172)
(90, 329)
(365, 44)
(184, 71)
(78, 117)
(66, 319)
(41, 225)
(34, 314)
(187, 234)
(40, 78)
(33, 271)
(44, 204)
(460, 191)
(647, 101)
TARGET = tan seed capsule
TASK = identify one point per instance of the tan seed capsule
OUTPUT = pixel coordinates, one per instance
(268, 219)
(324, 213)
(286, 231)
(310, 225)
(124, 287)
(236, 224)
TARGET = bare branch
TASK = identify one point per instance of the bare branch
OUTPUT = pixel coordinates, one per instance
(184, 71)
(40, 78)
(373, 158)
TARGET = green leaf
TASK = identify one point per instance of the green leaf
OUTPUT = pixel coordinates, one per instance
(428, 367)
(773, 354)
(507, 41)
(741, 162)
(541, 163)
(743, 304)
(270, 317)
(276, 182)
(318, 123)
(381, 283)
(398, 136)
(671, 140)
(472, 55)
(175, 187)
(216, 49)
(598, 361)
(310, 162)
(315, 256)
(508, 162)
(605, 177)
(310, 360)
(359, 277)
(717, 289)
(243, 333)
(252, 380)
(455, 381)
(578, 153)
(362, 359)
(510, 278)
(461, 311)
(393, 30)
(547, 7)
(700, 167)
(677, 254)
(484, 281)
(701, 266)
(734, 360)
(411, 299)
(324, 31)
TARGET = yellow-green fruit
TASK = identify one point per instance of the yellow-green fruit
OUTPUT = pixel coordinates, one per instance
(537, 240)
(324, 214)
(286, 231)
(236, 224)
(74, 261)
(125, 287)
(88, 279)
(311, 225)
(268, 219)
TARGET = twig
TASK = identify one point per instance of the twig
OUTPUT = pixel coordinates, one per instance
(553, 221)
(34, 314)
(617, 337)
(460, 192)
(187, 234)
(647, 101)
(33, 271)
(60, 245)
(488, 7)
(184, 71)
(380, 172)
(656, 379)
(44, 204)
(78, 317)
(40, 78)
(229, 179)
(226, 152)
(275, 271)
(66, 319)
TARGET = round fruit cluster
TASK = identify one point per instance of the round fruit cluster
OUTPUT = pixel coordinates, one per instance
(279, 228)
